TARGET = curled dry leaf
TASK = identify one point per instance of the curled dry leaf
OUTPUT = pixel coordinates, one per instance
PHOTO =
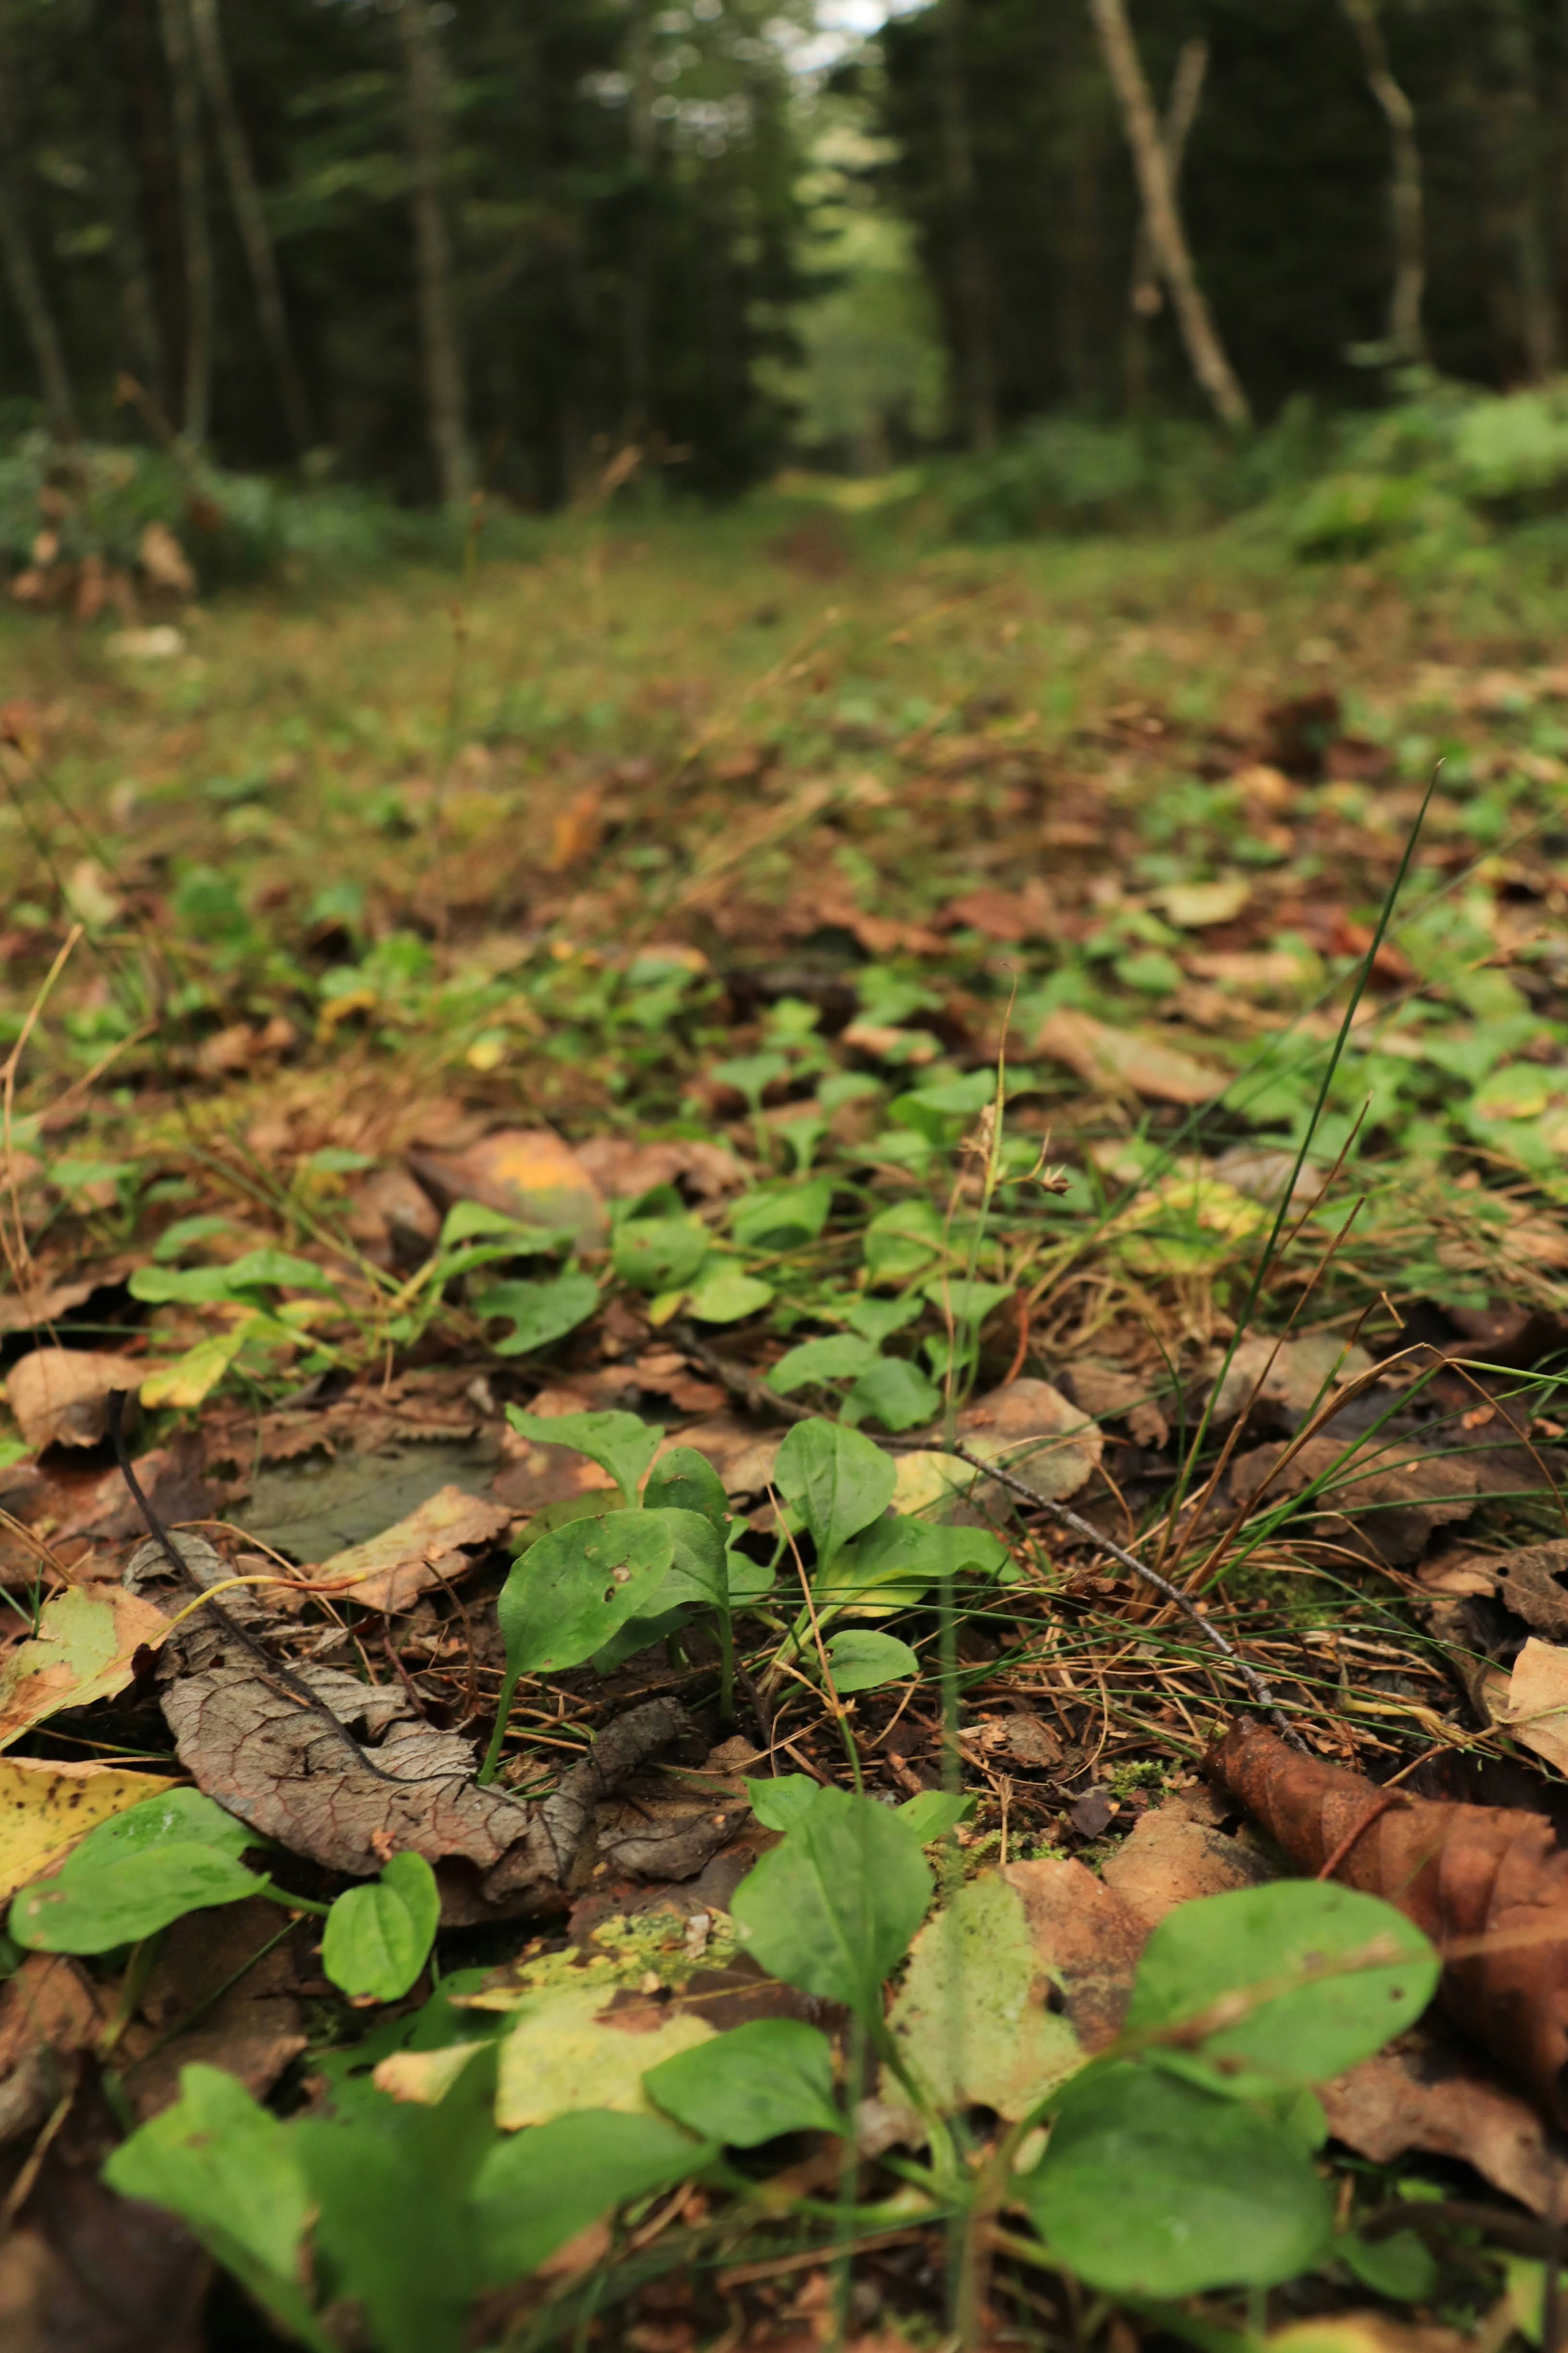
(1167, 1859)
(623, 1169)
(61, 1396)
(1531, 1583)
(1460, 1872)
(431, 1547)
(1118, 1061)
(1427, 2094)
(223, 1993)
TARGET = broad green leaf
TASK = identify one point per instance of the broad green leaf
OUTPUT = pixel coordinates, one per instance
(378, 1937)
(568, 1594)
(935, 1812)
(783, 1802)
(751, 1074)
(259, 1270)
(696, 1568)
(1151, 2186)
(94, 1908)
(1258, 1936)
(837, 1358)
(781, 1216)
(538, 1311)
(878, 1319)
(467, 1221)
(232, 2174)
(748, 1578)
(1402, 2266)
(659, 1254)
(836, 1480)
(685, 1480)
(902, 1241)
(897, 1561)
(181, 1235)
(536, 2191)
(967, 1301)
(621, 1443)
(396, 2230)
(968, 2019)
(860, 1659)
(770, 2076)
(726, 1296)
(831, 1909)
(894, 1392)
(176, 1818)
(190, 1377)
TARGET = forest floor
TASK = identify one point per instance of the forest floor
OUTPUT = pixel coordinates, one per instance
(877, 1016)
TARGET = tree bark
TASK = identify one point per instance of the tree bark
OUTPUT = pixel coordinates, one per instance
(1407, 201)
(190, 157)
(643, 136)
(444, 391)
(26, 282)
(1151, 164)
(972, 277)
(251, 217)
(1144, 295)
(1519, 143)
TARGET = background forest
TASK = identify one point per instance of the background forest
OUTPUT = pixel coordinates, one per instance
(422, 243)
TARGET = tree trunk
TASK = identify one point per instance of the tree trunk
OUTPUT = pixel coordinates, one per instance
(1407, 202)
(443, 392)
(1152, 165)
(26, 284)
(1144, 297)
(1518, 145)
(971, 276)
(105, 75)
(643, 133)
(251, 214)
(195, 404)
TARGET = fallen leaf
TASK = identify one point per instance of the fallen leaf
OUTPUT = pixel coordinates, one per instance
(1037, 1433)
(529, 1174)
(431, 1547)
(51, 2004)
(1530, 1583)
(1425, 2093)
(1167, 1859)
(1458, 1871)
(1121, 1062)
(561, 2053)
(1019, 1739)
(1537, 1709)
(625, 1169)
(1107, 1394)
(1366, 2332)
(1383, 1503)
(61, 1396)
(1086, 1940)
(225, 1992)
(1030, 914)
(1195, 906)
(971, 2016)
(45, 1808)
(82, 1651)
(1293, 1378)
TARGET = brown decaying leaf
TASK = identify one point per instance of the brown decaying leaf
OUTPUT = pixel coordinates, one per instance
(1531, 1583)
(1426, 2092)
(1167, 1859)
(1286, 1380)
(1460, 1872)
(1034, 1431)
(529, 1174)
(61, 1396)
(1397, 1493)
(430, 1547)
(224, 1993)
(1123, 1063)
(1088, 1941)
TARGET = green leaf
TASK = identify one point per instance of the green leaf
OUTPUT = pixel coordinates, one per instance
(935, 1812)
(569, 1593)
(620, 1443)
(894, 1392)
(659, 1254)
(773, 2076)
(837, 1358)
(174, 1818)
(751, 1074)
(467, 1221)
(232, 2174)
(685, 1480)
(860, 1659)
(901, 1242)
(378, 1938)
(1256, 1935)
(538, 1311)
(96, 1907)
(831, 1909)
(697, 1570)
(1149, 2186)
(898, 1560)
(1402, 2266)
(967, 1301)
(878, 1319)
(969, 2019)
(259, 1270)
(548, 2183)
(781, 1803)
(725, 1297)
(781, 1216)
(836, 1480)
(187, 1231)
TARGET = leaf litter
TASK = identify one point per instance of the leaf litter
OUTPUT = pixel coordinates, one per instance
(932, 1213)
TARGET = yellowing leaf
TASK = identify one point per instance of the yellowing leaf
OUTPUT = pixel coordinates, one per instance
(190, 1377)
(1193, 906)
(971, 2018)
(425, 2076)
(426, 1548)
(1120, 1062)
(82, 1652)
(564, 2052)
(45, 1809)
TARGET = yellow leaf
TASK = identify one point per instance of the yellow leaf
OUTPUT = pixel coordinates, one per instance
(190, 1377)
(82, 1652)
(45, 1809)
(564, 2053)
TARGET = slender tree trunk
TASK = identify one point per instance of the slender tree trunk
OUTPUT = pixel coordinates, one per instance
(250, 214)
(443, 392)
(25, 281)
(1152, 165)
(1519, 149)
(972, 277)
(195, 405)
(1144, 297)
(643, 131)
(1407, 201)
(105, 75)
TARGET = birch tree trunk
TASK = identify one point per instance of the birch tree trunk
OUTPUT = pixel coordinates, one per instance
(972, 273)
(1407, 202)
(1144, 295)
(444, 391)
(1151, 164)
(190, 158)
(251, 217)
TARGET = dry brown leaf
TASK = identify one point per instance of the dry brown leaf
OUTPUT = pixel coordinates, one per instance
(1109, 1394)
(529, 1174)
(1015, 1740)
(1459, 1871)
(625, 1169)
(1088, 1940)
(1427, 2094)
(1030, 914)
(84, 1650)
(1531, 1583)
(1120, 1062)
(50, 2004)
(1286, 1380)
(1383, 1502)
(1537, 1707)
(1034, 1431)
(1167, 1859)
(1366, 2332)
(429, 1548)
(224, 1993)
(61, 1396)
